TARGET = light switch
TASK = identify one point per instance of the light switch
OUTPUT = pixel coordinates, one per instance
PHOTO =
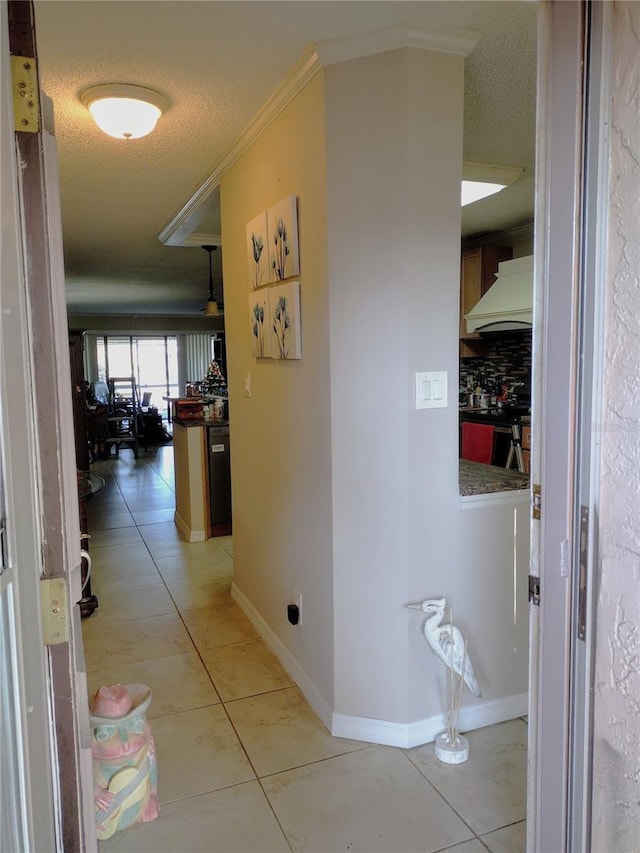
(246, 384)
(431, 390)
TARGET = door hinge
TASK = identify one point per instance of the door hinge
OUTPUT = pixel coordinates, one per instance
(55, 611)
(536, 505)
(582, 582)
(534, 589)
(26, 99)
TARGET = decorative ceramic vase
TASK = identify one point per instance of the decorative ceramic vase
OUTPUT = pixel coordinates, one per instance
(124, 760)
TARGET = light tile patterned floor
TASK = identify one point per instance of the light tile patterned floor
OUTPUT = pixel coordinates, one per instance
(244, 764)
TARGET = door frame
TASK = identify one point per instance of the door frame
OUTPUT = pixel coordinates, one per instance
(54, 515)
(29, 801)
(571, 220)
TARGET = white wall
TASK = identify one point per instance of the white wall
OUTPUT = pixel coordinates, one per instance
(370, 287)
(617, 681)
(341, 488)
(394, 135)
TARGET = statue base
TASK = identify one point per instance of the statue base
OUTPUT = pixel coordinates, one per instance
(451, 752)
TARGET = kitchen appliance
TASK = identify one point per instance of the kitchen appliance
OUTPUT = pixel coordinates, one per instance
(219, 479)
(508, 304)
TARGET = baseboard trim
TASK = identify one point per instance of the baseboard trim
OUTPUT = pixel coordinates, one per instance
(382, 732)
(288, 661)
(407, 735)
(189, 534)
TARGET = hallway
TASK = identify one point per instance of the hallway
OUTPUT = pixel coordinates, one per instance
(244, 764)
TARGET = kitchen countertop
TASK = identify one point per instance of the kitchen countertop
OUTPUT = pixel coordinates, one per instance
(200, 422)
(478, 479)
(508, 415)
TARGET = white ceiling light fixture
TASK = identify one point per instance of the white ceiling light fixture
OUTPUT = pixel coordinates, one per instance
(124, 111)
(480, 180)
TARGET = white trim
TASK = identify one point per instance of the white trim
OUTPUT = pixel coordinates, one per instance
(198, 240)
(407, 735)
(189, 534)
(316, 56)
(518, 496)
(370, 730)
(301, 73)
(311, 693)
(395, 37)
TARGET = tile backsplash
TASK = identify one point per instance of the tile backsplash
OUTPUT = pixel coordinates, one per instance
(509, 359)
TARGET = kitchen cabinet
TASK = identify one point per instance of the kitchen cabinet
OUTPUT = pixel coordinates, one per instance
(202, 478)
(478, 268)
(190, 471)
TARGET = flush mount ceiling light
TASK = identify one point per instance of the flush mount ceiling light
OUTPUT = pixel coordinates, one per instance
(480, 180)
(124, 111)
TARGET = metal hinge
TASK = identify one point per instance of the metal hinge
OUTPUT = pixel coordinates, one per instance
(534, 589)
(26, 99)
(582, 581)
(55, 611)
(536, 507)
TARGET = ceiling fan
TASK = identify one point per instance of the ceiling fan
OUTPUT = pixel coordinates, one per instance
(212, 308)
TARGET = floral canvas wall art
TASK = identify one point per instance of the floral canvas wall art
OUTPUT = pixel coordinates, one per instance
(282, 225)
(258, 250)
(260, 324)
(286, 338)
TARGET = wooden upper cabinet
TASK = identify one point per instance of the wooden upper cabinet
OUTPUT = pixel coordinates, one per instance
(478, 270)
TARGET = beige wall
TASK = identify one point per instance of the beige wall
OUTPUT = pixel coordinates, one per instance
(341, 488)
(281, 437)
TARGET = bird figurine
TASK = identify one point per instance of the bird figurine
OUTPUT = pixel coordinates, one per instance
(447, 641)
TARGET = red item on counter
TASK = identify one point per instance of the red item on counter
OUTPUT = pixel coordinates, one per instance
(188, 409)
(477, 442)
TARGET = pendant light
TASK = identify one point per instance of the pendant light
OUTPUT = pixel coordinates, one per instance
(211, 308)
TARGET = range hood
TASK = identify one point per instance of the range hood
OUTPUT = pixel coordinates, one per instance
(508, 304)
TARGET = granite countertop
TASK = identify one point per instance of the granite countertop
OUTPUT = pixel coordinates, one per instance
(478, 479)
(200, 422)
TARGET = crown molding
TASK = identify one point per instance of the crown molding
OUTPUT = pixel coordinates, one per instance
(441, 39)
(317, 55)
(173, 234)
(198, 240)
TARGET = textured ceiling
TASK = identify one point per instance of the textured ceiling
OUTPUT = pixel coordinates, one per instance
(218, 62)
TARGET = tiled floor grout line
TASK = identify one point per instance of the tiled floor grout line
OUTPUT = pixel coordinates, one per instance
(224, 702)
(120, 482)
(441, 795)
(212, 681)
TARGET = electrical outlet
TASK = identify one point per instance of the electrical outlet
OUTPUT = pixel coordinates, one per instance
(296, 598)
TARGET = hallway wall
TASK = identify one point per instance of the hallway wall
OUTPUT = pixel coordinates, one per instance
(281, 437)
(401, 532)
(341, 488)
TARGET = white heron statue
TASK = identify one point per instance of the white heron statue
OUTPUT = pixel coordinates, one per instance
(448, 644)
(447, 641)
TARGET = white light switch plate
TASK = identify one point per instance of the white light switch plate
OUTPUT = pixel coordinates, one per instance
(431, 390)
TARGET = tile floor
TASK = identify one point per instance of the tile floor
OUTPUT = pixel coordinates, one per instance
(243, 762)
